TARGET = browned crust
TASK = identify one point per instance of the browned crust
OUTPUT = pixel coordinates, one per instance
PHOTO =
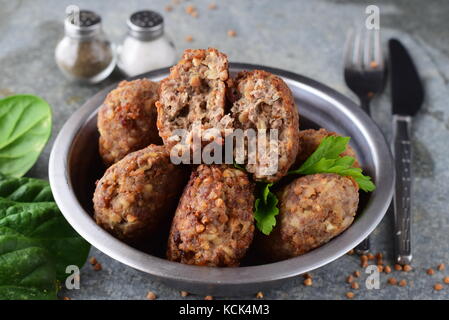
(193, 71)
(287, 122)
(213, 225)
(138, 194)
(310, 140)
(127, 119)
(313, 209)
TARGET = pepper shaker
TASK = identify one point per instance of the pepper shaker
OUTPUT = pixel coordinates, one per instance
(85, 54)
(145, 47)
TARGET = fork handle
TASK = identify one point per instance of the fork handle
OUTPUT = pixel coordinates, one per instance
(365, 104)
(364, 246)
(402, 213)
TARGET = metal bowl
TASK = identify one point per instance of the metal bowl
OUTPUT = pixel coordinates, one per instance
(75, 165)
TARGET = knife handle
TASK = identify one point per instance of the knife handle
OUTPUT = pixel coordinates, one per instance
(402, 214)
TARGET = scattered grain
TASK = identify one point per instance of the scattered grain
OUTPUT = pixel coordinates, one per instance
(308, 282)
(446, 280)
(232, 33)
(356, 274)
(387, 269)
(98, 267)
(403, 283)
(168, 8)
(151, 295)
(93, 261)
(349, 279)
(370, 256)
(438, 286)
(430, 272)
(397, 267)
(212, 6)
(184, 293)
(355, 285)
(407, 268)
(441, 267)
(392, 281)
(259, 295)
(189, 38)
(350, 295)
(208, 298)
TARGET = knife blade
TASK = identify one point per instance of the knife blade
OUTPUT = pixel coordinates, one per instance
(407, 94)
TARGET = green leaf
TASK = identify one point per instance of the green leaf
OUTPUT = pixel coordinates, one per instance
(26, 269)
(266, 208)
(326, 159)
(25, 127)
(43, 222)
(25, 189)
(35, 237)
(330, 148)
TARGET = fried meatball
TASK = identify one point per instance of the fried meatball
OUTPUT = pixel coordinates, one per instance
(138, 194)
(213, 225)
(313, 209)
(127, 120)
(194, 92)
(262, 100)
(311, 139)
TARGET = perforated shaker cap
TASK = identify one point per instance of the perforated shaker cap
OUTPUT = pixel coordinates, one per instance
(82, 23)
(146, 25)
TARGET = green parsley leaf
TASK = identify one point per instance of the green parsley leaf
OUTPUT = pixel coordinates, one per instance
(326, 159)
(266, 208)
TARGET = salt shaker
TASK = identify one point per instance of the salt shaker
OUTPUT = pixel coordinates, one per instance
(145, 47)
(85, 54)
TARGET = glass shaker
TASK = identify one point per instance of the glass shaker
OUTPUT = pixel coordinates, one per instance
(145, 47)
(85, 54)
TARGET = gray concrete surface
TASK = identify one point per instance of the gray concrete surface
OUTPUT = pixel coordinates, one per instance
(301, 36)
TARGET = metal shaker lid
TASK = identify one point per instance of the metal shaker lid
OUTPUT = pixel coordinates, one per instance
(146, 25)
(82, 23)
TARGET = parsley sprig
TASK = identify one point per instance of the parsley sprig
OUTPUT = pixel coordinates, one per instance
(325, 159)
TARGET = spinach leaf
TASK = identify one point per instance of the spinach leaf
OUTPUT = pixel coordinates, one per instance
(43, 222)
(26, 269)
(36, 242)
(25, 189)
(25, 126)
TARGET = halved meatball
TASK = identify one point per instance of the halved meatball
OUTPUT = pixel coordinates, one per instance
(262, 100)
(138, 194)
(310, 140)
(313, 209)
(194, 92)
(213, 225)
(127, 119)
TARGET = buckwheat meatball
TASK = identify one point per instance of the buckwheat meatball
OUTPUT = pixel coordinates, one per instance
(127, 120)
(138, 194)
(213, 225)
(311, 139)
(194, 92)
(313, 209)
(262, 100)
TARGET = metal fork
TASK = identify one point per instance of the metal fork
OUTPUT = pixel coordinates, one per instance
(365, 75)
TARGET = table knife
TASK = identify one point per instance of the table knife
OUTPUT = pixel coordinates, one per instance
(407, 94)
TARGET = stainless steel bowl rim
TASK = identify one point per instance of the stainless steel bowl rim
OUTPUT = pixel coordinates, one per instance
(83, 223)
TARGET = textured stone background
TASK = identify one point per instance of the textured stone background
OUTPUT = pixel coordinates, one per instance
(306, 37)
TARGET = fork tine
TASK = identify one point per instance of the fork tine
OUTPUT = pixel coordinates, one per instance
(367, 49)
(378, 54)
(348, 52)
(373, 56)
(357, 51)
